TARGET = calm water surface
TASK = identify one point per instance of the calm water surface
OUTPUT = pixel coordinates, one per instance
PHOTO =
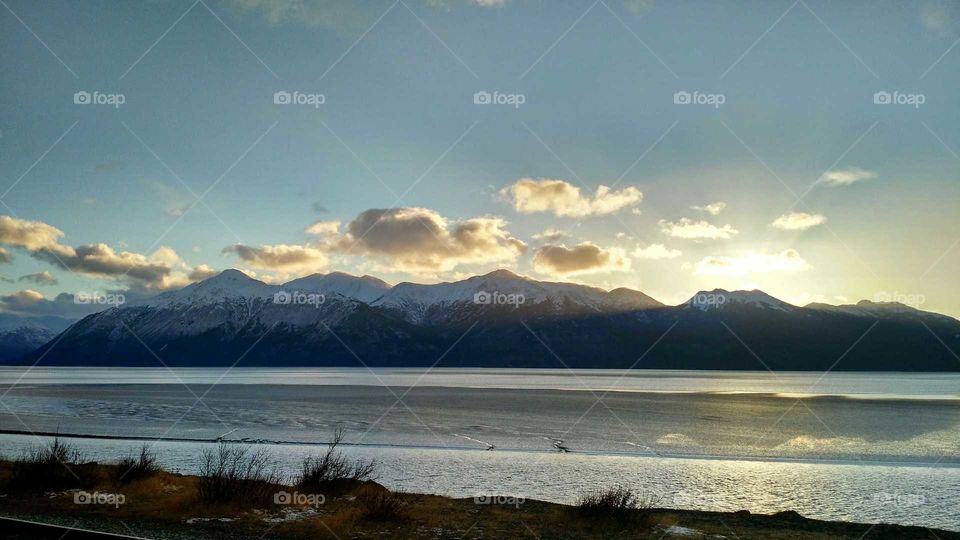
(856, 446)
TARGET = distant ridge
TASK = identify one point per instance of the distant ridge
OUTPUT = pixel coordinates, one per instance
(499, 319)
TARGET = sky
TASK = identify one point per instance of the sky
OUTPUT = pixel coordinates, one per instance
(805, 148)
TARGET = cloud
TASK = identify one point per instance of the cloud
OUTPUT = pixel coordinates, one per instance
(550, 235)
(696, 230)
(798, 221)
(5, 256)
(177, 209)
(529, 196)
(752, 263)
(40, 278)
(713, 209)
(202, 272)
(30, 235)
(323, 228)
(281, 257)
(655, 252)
(32, 303)
(97, 260)
(419, 239)
(845, 177)
(935, 17)
(580, 259)
(100, 260)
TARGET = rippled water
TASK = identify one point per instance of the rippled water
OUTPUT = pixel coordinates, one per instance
(864, 447)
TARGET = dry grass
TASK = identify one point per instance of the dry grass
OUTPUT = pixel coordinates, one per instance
(164, 501)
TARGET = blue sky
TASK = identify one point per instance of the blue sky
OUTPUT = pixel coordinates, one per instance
(492, 185)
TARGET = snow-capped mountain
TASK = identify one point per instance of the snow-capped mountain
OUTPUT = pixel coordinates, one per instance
(720, 299)
(364, 288)
(497, 320)
(21, 335)
(421, 303)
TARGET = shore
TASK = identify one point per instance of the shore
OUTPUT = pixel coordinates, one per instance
(164, 505)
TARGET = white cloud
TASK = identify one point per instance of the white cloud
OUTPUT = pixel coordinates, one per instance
(788, 260)
(583, 258)
(845, 177)
(323, 228)
(696, 230)
(281, 257)
(798, 221)
(551, 235)
(562, 198)
(655, 252)
(713, 209)
(420, 239)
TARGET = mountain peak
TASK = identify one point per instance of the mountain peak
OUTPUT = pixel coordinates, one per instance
(722, 298)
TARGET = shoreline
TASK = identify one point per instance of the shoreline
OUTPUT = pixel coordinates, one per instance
(164, 505)
(262, 442)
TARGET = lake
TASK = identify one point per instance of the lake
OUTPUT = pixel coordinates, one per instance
(852, 446)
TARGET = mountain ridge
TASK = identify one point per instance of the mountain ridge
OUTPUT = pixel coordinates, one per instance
(498, 319)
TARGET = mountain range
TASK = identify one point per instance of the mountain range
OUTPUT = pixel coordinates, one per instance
(495, 320)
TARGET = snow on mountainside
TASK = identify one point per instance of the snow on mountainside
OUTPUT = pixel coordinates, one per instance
(881, 310)
(20, 335)
(364, 288)
(226, 284)
(719, 299)
(503, 286)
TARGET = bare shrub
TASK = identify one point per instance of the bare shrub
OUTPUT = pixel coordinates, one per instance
(51, 467)
(613, 502)
(136, 467)
(332, 466)
(236, 474)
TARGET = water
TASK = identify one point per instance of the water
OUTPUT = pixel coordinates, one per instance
(854, 446)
